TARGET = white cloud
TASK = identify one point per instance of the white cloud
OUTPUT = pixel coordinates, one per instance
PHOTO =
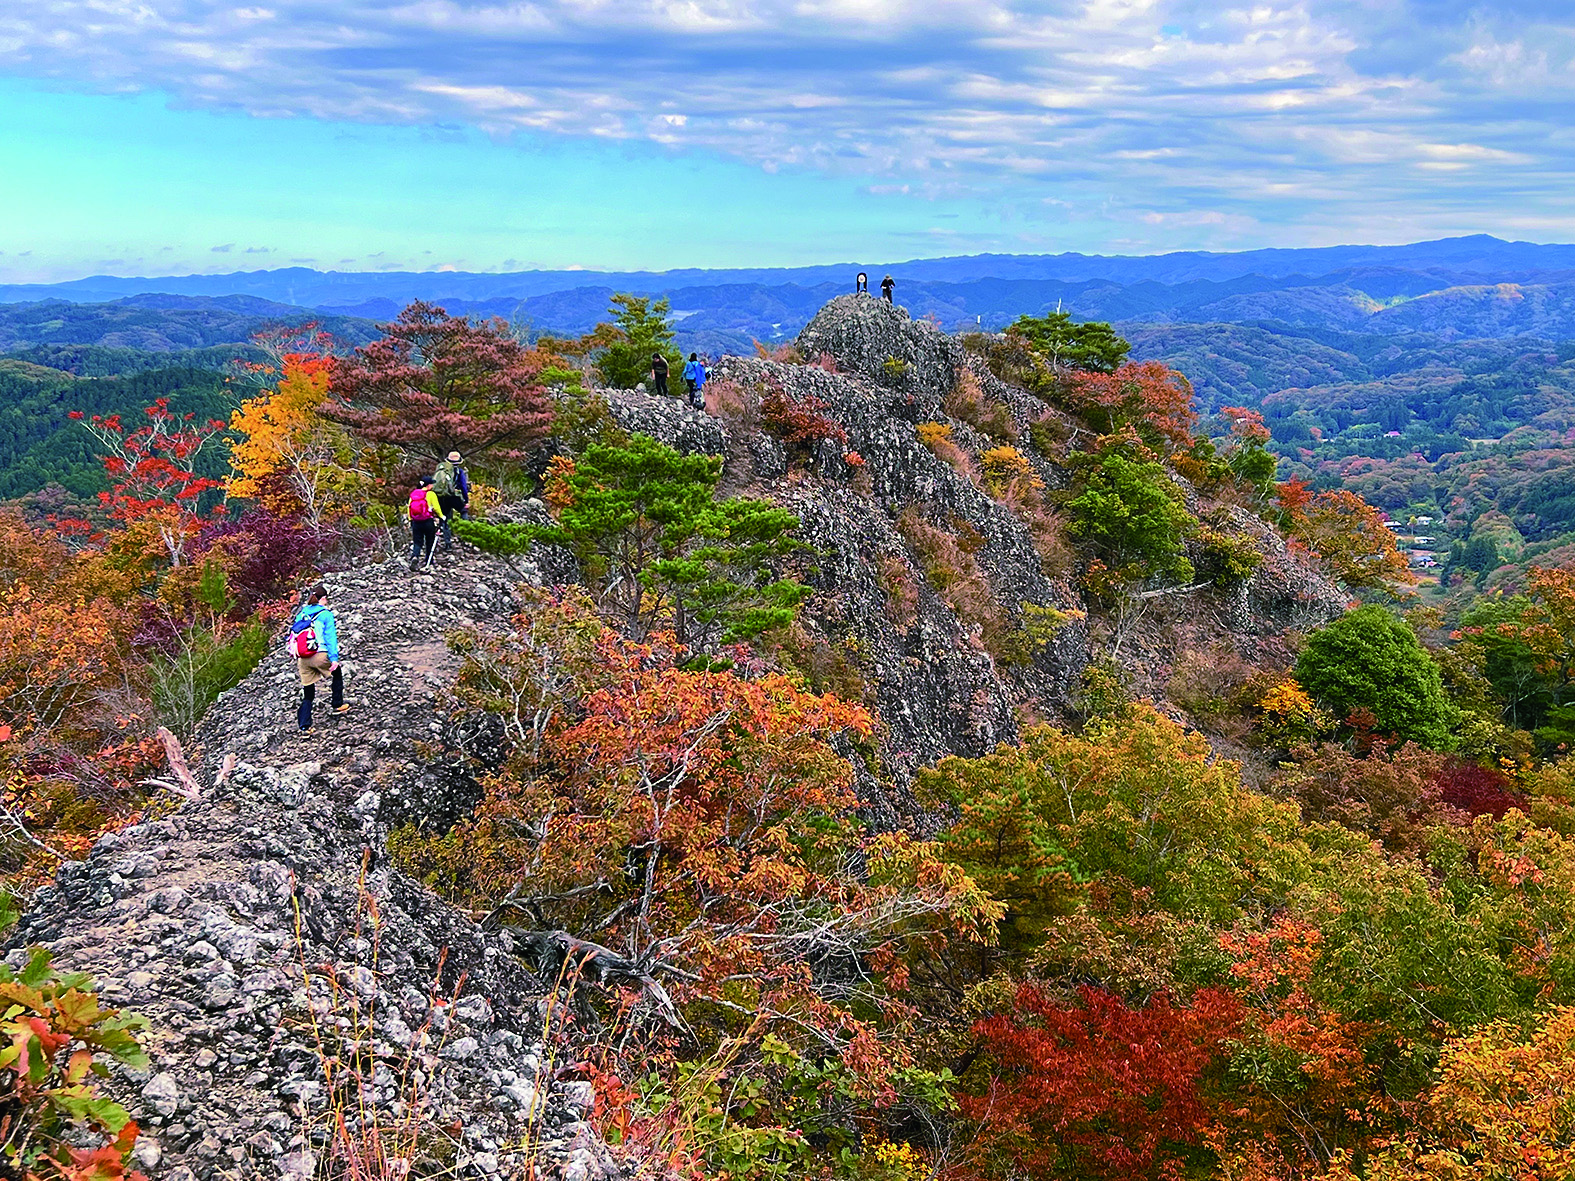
(1104, 103)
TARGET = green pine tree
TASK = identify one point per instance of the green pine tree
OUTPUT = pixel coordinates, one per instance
(656, 548)
(645, 329)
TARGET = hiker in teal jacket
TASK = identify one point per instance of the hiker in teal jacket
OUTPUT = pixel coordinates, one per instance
(316, 614)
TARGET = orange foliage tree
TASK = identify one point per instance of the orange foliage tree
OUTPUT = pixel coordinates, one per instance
(1346, 532)
(701, 824)
(288, 457)
(1500, 1110)
(1297, 1064)
(66, 690)
(1153, 399)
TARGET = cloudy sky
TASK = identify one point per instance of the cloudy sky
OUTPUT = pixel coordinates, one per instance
(166, 136)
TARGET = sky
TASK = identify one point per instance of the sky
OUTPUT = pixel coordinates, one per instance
(179, 136)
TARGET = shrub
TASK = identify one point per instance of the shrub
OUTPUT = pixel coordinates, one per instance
(205, 664)
(937, 436)
(1050, 435)
(1475, 790)
(1381, 795)
(967, 402)
(1006, 467)
(735, 403)
(786, 354)
(1215, 684)
(902, 595)
(955, 574)
(1097, 1089)
(1227, 559)
(1370, 660)
(1288, 717)
(57, 1039)
(1136, 516)
(799, 422)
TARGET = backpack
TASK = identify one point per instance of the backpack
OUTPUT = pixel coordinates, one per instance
(443, 479)
(420, 510)
(303, 638)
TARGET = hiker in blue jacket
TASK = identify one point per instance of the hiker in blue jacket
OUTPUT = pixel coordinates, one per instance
(316, 617)
(694, 381)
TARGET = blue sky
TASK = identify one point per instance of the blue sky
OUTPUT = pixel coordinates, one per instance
(170, 136)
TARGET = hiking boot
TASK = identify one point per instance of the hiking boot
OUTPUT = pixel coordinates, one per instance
(342, 709)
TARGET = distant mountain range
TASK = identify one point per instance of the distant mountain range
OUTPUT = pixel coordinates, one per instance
(1456, 288)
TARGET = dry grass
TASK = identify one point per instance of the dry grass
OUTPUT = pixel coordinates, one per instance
(937, 436)
(967, 403)
(950, 565)
(375, 1120)
(733, 403)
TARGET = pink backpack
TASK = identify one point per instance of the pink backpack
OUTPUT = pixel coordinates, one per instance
(304, 639)
(420, 510)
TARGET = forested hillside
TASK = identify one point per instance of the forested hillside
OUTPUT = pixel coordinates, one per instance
(937, 757)
(41, 444)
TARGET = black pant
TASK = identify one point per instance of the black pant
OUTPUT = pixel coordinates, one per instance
(423, 536)
(303, 716)
(659, 379)
(451, 506)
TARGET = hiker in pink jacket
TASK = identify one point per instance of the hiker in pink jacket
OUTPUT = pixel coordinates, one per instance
(425, 513)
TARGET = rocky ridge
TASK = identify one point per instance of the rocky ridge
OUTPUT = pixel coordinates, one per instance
(928, 671)
(260, 928)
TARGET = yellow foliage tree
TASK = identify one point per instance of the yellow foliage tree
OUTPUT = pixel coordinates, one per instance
(288, 458)
(1500, 1110)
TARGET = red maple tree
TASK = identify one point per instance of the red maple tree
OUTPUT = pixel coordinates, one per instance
(1154, 400)
(1096, 1089)
(153, 480)
(436, 383)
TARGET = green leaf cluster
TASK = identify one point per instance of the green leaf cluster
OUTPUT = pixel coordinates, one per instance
(1093, 346)
(1136, 516)
(55, 1036)
(1370, 660)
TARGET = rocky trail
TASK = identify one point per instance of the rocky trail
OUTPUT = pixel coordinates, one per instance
(260, 928)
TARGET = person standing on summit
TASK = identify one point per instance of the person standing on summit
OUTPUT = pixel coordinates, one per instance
(886, 285)
(659, 373)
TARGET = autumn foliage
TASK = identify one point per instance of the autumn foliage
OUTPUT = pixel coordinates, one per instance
(437, 383)
(1095, 1088)
(1346, 532)
(1099, 950)
(1154, 400)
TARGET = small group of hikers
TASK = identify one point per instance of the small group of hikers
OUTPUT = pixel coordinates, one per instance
(861, 286)
(436, 501)
(694, 378)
